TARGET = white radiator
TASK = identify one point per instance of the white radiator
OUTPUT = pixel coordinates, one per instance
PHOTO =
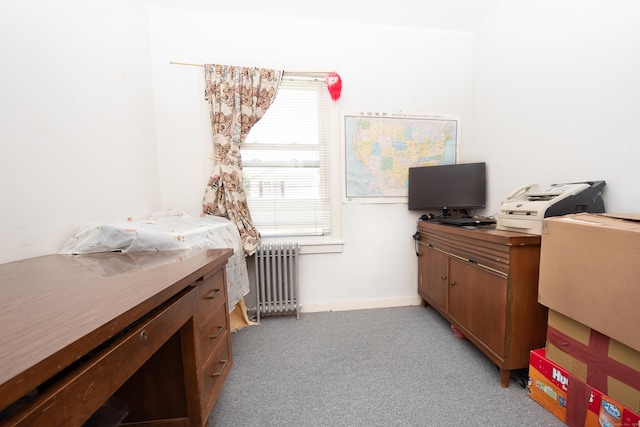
(277, 279)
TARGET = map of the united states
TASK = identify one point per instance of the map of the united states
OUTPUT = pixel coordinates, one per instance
(379, 151)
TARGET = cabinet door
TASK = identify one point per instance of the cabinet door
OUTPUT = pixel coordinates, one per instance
(432, 276)
(478, 300)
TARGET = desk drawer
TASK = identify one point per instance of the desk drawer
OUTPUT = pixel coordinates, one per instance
(212, 294)
(87, 386)
(212, 332)
(215, 372)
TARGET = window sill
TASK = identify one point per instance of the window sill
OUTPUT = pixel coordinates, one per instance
(310, 245)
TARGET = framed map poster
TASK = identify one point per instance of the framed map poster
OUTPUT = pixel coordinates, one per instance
(380, 148)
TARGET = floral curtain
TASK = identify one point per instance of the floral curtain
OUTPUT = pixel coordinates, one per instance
(238, 97)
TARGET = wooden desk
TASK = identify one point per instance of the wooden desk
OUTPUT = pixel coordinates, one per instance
(150, 329)
(485, 283)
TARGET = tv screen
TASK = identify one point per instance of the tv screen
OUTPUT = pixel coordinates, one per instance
(447, 187)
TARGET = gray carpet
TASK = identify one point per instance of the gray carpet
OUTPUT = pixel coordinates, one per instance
(379, 367)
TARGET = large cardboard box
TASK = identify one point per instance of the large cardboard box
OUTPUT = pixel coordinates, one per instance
(573, 401)
(590, 272)
(605, 364)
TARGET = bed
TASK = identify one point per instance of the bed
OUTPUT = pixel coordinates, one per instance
(168, 230)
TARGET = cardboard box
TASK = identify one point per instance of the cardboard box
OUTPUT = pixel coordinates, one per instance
(605, 364)
(548, 385)
(590, 272)
(573, 401)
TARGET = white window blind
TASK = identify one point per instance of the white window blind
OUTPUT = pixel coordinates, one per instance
(285, 162)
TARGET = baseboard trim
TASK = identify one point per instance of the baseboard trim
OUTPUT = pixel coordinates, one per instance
(361, 305)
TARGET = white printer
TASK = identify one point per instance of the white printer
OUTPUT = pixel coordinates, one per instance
(527, 206)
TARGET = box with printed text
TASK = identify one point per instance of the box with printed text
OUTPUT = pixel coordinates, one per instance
(572, 401)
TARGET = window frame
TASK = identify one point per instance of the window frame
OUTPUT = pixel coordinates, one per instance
(332, 242)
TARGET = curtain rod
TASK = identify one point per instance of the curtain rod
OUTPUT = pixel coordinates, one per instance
(294, 73)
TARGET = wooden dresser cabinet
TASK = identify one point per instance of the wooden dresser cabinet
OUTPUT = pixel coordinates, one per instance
(485, 283)
(144, 336)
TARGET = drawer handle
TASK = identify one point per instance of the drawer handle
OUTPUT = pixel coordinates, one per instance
(217, 374)
(217, 334)
(214, 294)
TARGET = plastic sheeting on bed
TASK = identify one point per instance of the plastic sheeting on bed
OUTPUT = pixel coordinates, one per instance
(168, 230)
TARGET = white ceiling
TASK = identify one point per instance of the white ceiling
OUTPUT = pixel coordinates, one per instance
(454, 15)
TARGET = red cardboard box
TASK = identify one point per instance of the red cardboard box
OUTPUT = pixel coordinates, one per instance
(573, 401)
(602, 362)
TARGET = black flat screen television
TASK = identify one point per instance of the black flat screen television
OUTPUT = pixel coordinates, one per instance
(447, 187)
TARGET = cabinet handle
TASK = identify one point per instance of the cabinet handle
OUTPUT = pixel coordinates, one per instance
(217, 374)
(217, 334)
(215, 293)
(452, 283)
(443, 277)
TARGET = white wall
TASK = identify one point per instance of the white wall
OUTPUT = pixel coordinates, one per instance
(556, 97)
(383, 69)
(77, 136)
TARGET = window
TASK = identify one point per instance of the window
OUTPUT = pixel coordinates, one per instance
(285, 163)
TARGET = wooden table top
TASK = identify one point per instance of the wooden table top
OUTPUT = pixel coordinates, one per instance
(56, 308)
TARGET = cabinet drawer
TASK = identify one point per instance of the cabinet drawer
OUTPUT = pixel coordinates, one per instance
(215, 372)
(435, 240)
(212, 332)
(212, 294)
(490, 256)
(97, 377)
